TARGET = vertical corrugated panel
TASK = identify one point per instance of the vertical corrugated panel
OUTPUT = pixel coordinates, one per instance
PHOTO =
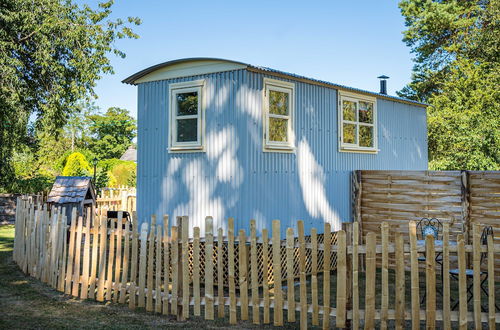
(234, 177)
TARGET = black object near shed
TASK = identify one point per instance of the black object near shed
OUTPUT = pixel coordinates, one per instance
(73, 192)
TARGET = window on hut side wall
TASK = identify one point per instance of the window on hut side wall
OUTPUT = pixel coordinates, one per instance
(358, 122)
(278, 115)
(186, 116)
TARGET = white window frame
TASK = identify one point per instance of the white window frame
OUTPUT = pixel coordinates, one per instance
(186, 87)
(285, 87)
(354, 147)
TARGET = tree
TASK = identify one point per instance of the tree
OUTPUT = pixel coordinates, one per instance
(440, 32)
(76, 165)
(113, 133)
(457, 72)
(123, 174)
(52, 52)
(77, 125)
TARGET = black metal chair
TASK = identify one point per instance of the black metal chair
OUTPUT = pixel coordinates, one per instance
(432, 227)
(114, 215)
(469, 273)
(428, 226)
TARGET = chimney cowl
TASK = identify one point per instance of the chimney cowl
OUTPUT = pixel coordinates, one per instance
(383, 84)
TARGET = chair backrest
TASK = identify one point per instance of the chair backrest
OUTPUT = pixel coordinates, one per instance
(487, 231)
(428, 226)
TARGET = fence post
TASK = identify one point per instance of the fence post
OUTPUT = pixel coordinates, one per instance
(290, 249)
(476, 262)
(254, 269)
(465, 201)
(209, 269)
(415, 296)
(265, 276)
(462, 284)
(230, 271)
(243, 275)
(385, 276)
(180, 279)
(491, 283)
(348, 228)
(220, 271)
(371, 259)
(356, 195)
(302, 274)
(174, 305)
(400, 281)
(150, 264)
(341, 279)
(314, 277)
(278, 296)
(166, 265)
(327, 243)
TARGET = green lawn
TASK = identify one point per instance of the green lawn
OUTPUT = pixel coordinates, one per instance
(29, 304)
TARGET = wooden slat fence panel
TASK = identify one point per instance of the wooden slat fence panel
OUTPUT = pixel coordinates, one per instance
(485, 204)
(459, 198)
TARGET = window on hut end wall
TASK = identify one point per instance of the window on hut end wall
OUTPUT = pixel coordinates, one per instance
(357, 123)
(278, 115)
(186, 116)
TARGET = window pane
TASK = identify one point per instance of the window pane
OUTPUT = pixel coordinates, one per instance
(365, 112)
(278, 103)
(278, 129)
(365, 136)
(187, 130)
(349, 110)
(350, 133)
(187, 103)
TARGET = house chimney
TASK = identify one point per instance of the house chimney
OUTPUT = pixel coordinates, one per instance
(383, 84)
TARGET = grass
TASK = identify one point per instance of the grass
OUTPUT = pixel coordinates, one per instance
(26, 303)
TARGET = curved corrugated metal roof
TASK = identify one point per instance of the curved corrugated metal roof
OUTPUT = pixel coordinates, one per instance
(133, 78)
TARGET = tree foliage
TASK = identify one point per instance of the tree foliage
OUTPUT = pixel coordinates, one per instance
(76, 165)
(113, 133)
(457, 67)
(123, 174)
(464, 120)
(52, 52)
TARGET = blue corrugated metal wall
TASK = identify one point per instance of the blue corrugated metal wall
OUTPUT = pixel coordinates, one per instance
(235, 178)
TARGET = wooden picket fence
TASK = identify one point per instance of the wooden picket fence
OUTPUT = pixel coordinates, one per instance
(109, 260)
(117, 199)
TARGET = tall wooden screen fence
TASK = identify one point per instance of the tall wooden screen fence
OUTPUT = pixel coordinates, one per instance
(148, 267)
(459, 198)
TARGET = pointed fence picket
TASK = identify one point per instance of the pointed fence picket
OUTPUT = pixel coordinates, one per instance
(160, 269)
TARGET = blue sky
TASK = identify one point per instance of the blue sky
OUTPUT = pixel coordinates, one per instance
(345, 42)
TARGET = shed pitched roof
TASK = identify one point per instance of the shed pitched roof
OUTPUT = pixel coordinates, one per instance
(130, 154)
(70, 189)
(136, 77)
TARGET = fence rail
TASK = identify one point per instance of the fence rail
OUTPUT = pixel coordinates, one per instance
(149, 267)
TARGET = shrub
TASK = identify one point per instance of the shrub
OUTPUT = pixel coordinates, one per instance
(76, 165)
(123, 174)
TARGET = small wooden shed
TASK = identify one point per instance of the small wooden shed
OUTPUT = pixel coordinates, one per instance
(73, 191)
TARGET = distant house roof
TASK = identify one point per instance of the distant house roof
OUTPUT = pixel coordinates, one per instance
(130, 154)
(218, 65)
(70, 189)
